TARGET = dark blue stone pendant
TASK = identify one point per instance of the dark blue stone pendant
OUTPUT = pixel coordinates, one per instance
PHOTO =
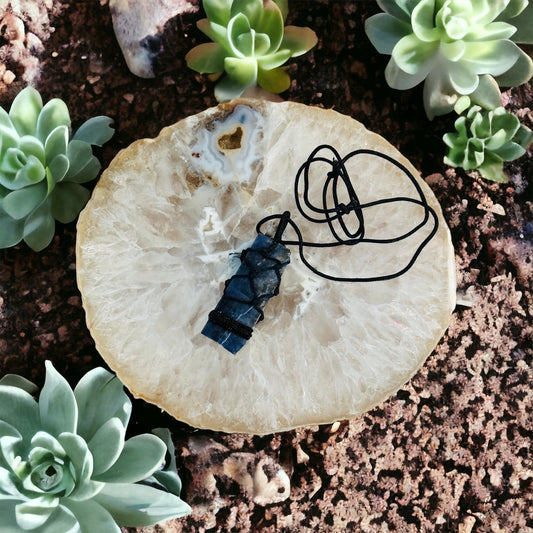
(246, 294)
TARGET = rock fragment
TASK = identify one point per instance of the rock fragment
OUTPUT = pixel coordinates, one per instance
(139, 29)
(25, 25)
(271, 482)
(12, 29)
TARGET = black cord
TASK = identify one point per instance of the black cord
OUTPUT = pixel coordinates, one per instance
(338, 175)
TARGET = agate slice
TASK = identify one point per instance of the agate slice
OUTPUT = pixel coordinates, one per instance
(162, 234)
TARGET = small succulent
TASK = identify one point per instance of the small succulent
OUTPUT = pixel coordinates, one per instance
(250, 45)
(64, 464)
(42, 167)
(485, 139)
(453, 45)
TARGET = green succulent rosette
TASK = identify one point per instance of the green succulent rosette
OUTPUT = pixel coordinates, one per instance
(451, 45)
(250, 43)
(42, 167)
(484, 139)
(65, 466)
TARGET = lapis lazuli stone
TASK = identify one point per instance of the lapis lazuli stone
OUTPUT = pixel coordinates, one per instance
(247, 293)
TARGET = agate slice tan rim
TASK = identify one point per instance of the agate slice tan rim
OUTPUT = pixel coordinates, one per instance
(157, 240)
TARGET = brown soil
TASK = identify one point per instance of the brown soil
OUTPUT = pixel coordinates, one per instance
(450, 451)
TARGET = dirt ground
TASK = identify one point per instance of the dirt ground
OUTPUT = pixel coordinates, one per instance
(451, 451)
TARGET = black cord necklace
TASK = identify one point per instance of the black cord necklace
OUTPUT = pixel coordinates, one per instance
(258, 278)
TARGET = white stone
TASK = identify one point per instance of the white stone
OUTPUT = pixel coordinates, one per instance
(272, 488)
(138, 27)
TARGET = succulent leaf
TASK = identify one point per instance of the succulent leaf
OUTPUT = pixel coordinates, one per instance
(100, 397)
(9, 138)
(43, 444)
(13, 160)
(53, 114)
(227, 89)
(57, 406)
(400, 9)
(67, 200)
(25, 111)
(56, 142)
(519, 13)
(60, 520)
(261, 44)
(19, 410)
(487, 94)
(450, 45)
(497, 30)
(298, 40)
(519, 73)
(36, 154)
(32, 172)
(239, 27)
(514, 8)
(413, 55)
(275, 81)
(106, 445)
(39, 227)
(385, 31)
(207, 58)
(91, 516)
(510, 151)
(275, 60)
(57, 170)
(136, 505)
(218, 11)
(30, 145)
(13, 380)
(34, 513)
(283, 7)
(399, 79)
(96, 131)
(140, 458)
(11, 447)
(241, 71)
(18, 171)
(423, 22)
(249, 39)
(251, 9)
(81, 463)
(484, 139)
(8, 487)
(271, 23)
(12, 230)
(21, 202)
(86, 173)
(215, 32)
(167, 476)
(5, 121)
(55, 480)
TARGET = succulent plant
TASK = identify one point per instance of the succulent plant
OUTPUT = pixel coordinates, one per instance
(64, 464)
(250, 45)
(453, 45)
(42, 167)
(485, 139)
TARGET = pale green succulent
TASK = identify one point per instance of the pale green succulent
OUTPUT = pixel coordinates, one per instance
(250, 45)
(42, 167)
(65, 466)
(485, 139)
(452, 45)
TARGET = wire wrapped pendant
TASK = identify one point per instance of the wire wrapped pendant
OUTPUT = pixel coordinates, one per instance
(246, 293)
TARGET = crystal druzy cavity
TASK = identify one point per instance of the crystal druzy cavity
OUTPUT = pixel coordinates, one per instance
(229, 148)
